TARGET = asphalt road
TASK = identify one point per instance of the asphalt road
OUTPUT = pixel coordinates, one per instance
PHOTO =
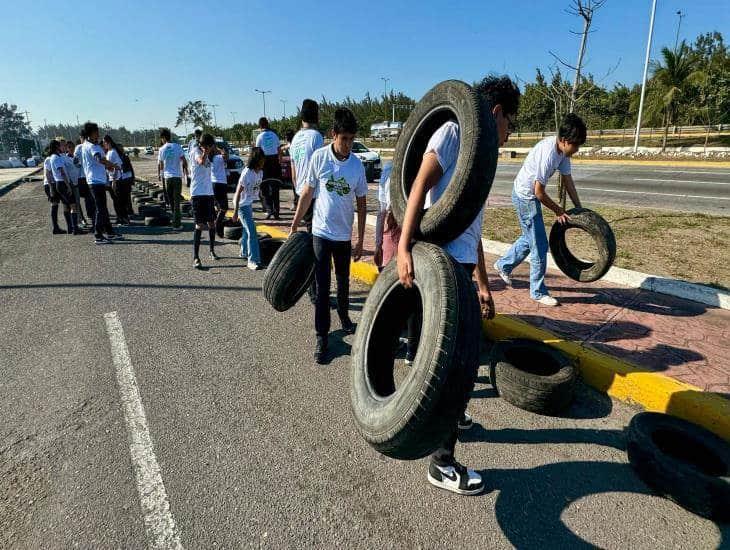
(254, 443)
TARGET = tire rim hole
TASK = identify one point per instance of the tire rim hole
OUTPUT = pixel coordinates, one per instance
(532, 360)
(582, 246)
(690, 451)
(386, 368)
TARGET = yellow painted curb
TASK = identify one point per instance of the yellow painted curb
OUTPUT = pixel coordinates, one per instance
(617, 378)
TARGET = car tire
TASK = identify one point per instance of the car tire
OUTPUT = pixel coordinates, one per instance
(411, 421)
(233, 232)
(268, 249)
(602, 234)
(681, 461)
(157, 221)
(476, 164)
(532, 375)
(150, 211)
(290, 272)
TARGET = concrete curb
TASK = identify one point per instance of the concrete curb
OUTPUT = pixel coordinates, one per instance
(617, 378)
(13, 184)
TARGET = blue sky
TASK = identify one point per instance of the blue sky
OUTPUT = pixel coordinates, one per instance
(134, 62)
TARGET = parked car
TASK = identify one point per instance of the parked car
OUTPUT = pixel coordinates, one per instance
(370, 159)
(234, 166)
(285, 162)
(149, 151)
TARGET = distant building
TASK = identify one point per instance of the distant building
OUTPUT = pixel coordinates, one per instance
(385, 130)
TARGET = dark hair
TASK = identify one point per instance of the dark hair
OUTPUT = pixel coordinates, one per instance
(82, 133)
(198, 132)
(573, 129)
(53, 147)
(310, 111)
(289, 135)
(207, 140)
(256, 156)
(90, 128)
(118, 148)
(500, 90)
(165, 134)
(345, 122)
(263, 122)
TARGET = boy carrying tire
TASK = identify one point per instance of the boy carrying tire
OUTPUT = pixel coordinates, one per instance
(334, 176)
(434, 175)
(528, 194)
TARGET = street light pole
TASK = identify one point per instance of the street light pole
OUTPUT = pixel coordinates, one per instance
(233, 114)
(283, 101)
(679, 25)
(263, 96)
(646, 69)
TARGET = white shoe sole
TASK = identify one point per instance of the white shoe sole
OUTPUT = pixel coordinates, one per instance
(505, 278)
(467, 492)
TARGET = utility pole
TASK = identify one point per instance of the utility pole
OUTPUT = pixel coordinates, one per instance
(646, 69)
(215, 119)
(263, 96)
(679, 25)
(385, 91)
(283, 101)
(233, 115)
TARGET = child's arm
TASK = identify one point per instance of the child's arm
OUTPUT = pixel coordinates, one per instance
(543, 197)
(569, 185)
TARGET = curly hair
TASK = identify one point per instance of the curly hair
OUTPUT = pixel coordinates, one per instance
(500, 90)
(344, 122)
(573, 129)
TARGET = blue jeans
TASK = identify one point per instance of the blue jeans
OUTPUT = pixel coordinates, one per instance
(249, 238)
(533, 242)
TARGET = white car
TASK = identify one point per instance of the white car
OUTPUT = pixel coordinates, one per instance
(370, 159)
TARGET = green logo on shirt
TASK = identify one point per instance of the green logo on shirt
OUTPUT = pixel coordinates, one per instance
(339, 186)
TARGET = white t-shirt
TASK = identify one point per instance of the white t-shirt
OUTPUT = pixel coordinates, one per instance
(200, 182)
(46, 168)
(71, 170)
(445, 144)
(113, 156)
(218, 170)
(335, 182)
(249, 182)
(305, 142)
(56, 165)
(78, 162)
(269, 142)
(94, 170)
(171, 155)
(540, 164)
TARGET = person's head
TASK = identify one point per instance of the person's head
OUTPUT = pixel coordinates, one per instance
(344, 129)
(256, 159)
(108, 143)
(91, 131)
(503, 96)
(289, 135)
(54, 148)
(165, 135)
(82, 136)
(572, 134)
(207, 143)
(198, 133)
(264, 123)
(310, 111)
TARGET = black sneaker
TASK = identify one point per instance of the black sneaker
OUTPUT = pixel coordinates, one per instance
(455, 478)
(320, 350)
(269, 216)
(101, 240)
(114, 236)
(466, 422)
(197, 264)
(213, 255)
(410, 355)
(58, 231)
(347, 325)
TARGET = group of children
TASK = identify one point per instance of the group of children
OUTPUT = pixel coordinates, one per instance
(85, 170)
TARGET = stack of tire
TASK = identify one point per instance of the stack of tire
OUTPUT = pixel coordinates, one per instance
(149, 199)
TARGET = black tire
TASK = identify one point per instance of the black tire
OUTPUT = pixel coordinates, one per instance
(475, 168)
(602, 234)
(233, 232)
(261, 236)
(269, 248)
(150, 211)
(290, 272)
(532, 375)
(681, 461)
(411, 421)
(157, 221)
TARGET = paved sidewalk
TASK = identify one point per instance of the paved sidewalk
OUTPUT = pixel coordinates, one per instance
(684, 340)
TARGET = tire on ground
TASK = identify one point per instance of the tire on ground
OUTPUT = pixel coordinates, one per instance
(681, 461)
(157, 221)
(411, 420)
(290, 272)
(475, 167)
(149, 211)
(602, 234)
(532, 375)
(232, 231)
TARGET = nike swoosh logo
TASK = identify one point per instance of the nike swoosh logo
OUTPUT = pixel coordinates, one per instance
(452, 477)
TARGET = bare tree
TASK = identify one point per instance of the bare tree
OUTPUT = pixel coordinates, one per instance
(585, 9)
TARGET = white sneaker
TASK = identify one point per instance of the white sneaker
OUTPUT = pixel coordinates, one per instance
(548, 301)
(502, 275)
(455, 478)
(252, 266)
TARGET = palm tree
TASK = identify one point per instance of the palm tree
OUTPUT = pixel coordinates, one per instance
(670, 79)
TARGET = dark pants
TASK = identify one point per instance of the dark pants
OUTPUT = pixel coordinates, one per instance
(270, 189)
(220, 191)
(88, 196)
(173, 188)
(120, 198)
(325, 252)
(101, 220)
(444, 455)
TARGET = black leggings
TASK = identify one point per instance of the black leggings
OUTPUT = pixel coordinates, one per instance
(325, 251)
(102, 224)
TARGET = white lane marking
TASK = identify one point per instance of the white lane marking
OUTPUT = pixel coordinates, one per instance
(652, 193)
(690, 172)
(684, 181)
(160, 525)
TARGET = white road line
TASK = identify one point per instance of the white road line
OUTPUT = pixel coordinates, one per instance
(683, 181)
(160, 525)
(581, 188)
(690, 172)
